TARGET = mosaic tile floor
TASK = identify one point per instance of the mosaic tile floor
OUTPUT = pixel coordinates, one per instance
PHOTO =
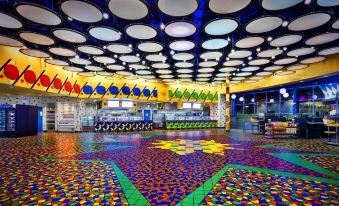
(196, 167)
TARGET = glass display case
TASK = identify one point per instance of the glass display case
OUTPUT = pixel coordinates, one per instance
(110, 115)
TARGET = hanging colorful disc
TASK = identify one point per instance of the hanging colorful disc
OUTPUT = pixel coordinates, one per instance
(45, 80)
(11, 72)
(30, 76)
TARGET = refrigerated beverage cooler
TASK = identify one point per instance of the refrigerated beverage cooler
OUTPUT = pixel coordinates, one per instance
(18, 120)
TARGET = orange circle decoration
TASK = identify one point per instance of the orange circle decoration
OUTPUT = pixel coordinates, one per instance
(30, 76)
(227, 118)
(68, 86)
(57, 83)
(11, 72)
(227, 104)
(77, 88)
(45, 80)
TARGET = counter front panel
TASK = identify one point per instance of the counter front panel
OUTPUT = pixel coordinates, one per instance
(191, 124)
(123, 126)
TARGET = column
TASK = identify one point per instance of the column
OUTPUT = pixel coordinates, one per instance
(228, 106)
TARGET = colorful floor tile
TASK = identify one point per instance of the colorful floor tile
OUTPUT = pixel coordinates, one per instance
(328, 162)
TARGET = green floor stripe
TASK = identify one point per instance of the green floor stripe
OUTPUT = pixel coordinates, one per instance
(199, 194)
(295, 159)
(133, 195)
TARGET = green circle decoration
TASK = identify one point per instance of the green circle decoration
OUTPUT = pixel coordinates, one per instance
(210, 96)
(170, 93)
(216, 97)
(203, 96)
(195, 95)
(187, 94)
(178, 94)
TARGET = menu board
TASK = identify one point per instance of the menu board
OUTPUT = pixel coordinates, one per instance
(11, 120)
(2, 120)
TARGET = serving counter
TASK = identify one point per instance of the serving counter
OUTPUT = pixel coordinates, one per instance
(190, 124)
(123, 126)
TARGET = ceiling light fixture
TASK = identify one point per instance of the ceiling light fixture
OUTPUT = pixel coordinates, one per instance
(162, 26)
(258, 49)
(307, 2)
(130, 45)
(285, 23)
(105, 15)
(269, 38)
(172, 52)
(285, 48)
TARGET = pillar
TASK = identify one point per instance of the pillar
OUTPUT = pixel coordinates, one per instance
(228, 106)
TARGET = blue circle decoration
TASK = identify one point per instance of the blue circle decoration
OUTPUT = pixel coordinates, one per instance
(136, 91)
(114, 90)
(88, 89)
(147, 92)
(155, 93)
(126, 90)
(101, 90)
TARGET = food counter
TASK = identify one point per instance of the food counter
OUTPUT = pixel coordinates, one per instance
(190, 124)
(123, 126)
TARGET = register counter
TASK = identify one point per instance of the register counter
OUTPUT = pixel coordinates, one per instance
(123, 126)
(190, 124)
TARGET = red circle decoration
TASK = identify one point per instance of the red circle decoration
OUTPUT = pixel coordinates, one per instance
(11, 72)
(77, 88)
(57, 83)
(45, 80)
(30, 76)
(68, 86)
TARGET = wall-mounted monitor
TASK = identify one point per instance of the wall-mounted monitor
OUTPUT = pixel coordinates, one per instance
(113, 104)
(196, 106)
(187, 105)
(126, 104)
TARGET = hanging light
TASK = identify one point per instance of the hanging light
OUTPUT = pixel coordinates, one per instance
(285, 95)
(241, 99)
(233, 96)
(282, 91)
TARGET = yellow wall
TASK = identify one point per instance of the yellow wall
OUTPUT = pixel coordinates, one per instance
(21, 61)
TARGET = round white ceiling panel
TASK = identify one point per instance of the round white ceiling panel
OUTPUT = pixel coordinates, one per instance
(124, 73)
(35, 53)
(69, 35)
(151, 80)
(9, 22)
(223, 75)
(80, 61)
(148, 77)
(262, 74)
(234, 82)
(283, 73)
(221, 26)
(273, 68)
(250, 42)
(258, 62)
(129, 58)
(206, 70)
(204, 75)
(329, 51)
(184, 64)
(166, 76)
(211, 55)
(150, 47)
(232, 63)
(238, 78)
(178, 8)
(9, 41)
(181, 45)
(94, 68)
(275, 5)
(227, 6)
(309, 21)
(208, 64)
(285, 61)
(103, 73)
(335, 25)
(227, 69)
(312, 60)
(141, 31)
(183, 56)
(36, 38)
(250, 81)
(202, 79)
(160, 65)
(185, 71)
(263, 24)
(132, 77)
(250, 69)
(62, 51)
(143, 72)
(38, 14)
(297, 67)
(119, 48)
(83, 11)
(256, 78)
(89, 49)
(129, 9)
(244, 74)
(115, 67)
(322, 38)
(301, 52)
(180, 29)
(184, 75)
(220, 78)
(328, 3)
(238, 54)
(104, 33)
(104, 59)
(286, 40)
(156, 58)
(56, 62)
(73, 69)
(137, 66)
(213, 44)
(163, 71)
(86, 74)
(270, 53)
